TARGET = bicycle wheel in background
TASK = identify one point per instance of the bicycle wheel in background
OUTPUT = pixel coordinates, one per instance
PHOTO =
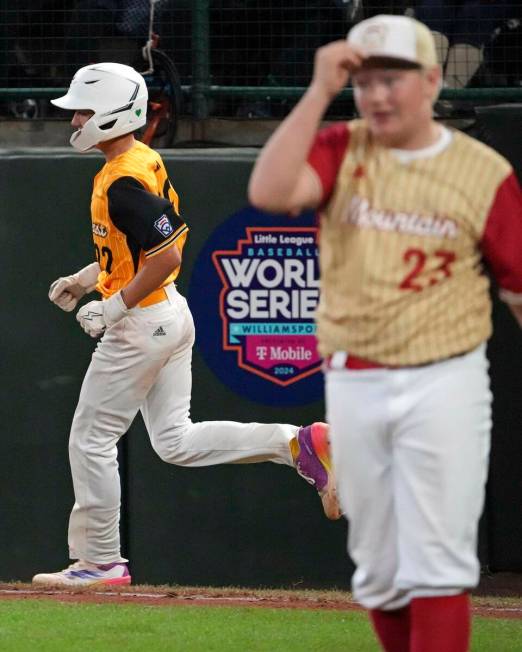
(165, 102)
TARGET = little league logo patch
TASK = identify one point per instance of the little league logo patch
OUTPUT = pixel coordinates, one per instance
(253, 292)
(163, 225)
(270, 289)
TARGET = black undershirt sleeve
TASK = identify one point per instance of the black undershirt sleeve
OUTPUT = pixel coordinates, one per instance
(142, 216)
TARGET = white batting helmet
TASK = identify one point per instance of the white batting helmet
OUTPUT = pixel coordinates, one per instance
(118, 96)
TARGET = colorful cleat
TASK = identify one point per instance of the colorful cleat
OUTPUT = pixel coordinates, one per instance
(81, 573)
(313, 463)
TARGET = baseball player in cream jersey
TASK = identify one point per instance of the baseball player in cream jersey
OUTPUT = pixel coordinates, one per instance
(143, 359)
(408, 211)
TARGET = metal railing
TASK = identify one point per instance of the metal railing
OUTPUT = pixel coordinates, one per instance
(246, 58)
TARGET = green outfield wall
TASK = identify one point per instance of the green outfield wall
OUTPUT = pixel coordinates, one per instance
(257, 525)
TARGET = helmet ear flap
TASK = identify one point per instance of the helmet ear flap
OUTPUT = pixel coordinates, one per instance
(87, 137)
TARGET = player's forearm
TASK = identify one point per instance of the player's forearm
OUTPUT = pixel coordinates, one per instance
(282, 160)
(151, 276)
(516, 309)
(513, 300)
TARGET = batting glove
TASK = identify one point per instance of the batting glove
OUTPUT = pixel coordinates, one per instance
(96, 316)
(66, 291)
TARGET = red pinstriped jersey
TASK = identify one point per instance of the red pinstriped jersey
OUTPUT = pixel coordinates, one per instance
(135, 216)
(402, 246)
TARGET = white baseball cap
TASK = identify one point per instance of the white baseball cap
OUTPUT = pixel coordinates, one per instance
(395, 37)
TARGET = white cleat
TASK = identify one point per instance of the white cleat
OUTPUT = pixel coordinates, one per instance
(81, 573)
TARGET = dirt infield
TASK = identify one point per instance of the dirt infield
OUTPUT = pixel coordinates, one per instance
(498, 596)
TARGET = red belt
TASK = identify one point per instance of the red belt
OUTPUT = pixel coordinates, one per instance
(353, 362)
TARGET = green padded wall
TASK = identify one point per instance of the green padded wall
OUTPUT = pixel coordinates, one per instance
(257, 525)
(254, 524)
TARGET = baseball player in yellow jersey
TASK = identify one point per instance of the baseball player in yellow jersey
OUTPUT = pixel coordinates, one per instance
(408, 210)
(143, 359)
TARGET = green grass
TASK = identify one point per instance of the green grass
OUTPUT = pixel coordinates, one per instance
(48, 626)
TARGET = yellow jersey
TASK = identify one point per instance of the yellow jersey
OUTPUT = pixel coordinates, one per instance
(135, 215)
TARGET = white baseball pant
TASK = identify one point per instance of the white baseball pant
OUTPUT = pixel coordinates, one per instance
(410, 449)
(135, 369)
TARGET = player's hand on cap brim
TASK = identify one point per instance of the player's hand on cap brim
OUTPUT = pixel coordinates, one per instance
(334, 63)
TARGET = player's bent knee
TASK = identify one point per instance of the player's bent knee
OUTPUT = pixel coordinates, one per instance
(170, 447)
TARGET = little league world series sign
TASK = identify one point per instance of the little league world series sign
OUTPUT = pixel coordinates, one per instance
(256, 284)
